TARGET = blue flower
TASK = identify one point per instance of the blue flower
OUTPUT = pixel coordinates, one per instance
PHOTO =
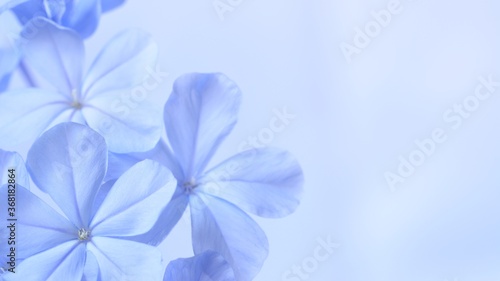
(68, 162)
(209, 266)
(12, 168)
(267, 182)
(81, 16)
(113, 98)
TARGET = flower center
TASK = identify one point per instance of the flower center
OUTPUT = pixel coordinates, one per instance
(83, 234)
(76, 103)
(190, 185)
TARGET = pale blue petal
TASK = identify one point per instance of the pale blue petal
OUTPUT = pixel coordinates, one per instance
(12, 160)
(101, 195)
(108, 5)
(119, 163)
(69, 163)
(221, 227)
(130, 130)
(91, 271)
(62, 47)
(121, 65)
(40, 227)
(67, 116)
(209, 266)
(4, 83)
(82, 16)
(169, 217)
(199, 114)
(63, 262)
(25, 114)
(10, 59)
(126, 260)
(267, 182)
(165, 156)
(135, 201)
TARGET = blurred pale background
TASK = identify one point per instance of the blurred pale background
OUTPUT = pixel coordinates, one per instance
(352, 122)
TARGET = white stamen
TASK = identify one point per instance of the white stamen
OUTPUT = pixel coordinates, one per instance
(76, 104)
(190, 185)
(83, 234)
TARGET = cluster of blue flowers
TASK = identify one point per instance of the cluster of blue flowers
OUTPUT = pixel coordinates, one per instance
(115, 185)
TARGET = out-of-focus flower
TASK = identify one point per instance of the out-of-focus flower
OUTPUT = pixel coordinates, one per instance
(81, 16)
(107, 99)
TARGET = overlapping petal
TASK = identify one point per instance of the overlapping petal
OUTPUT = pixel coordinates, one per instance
(266, 182)
(91, 271)
(31, 108)
(135, 201)
(199, 114)
(222, 227)
(125, 129)
(55, 9)
(209, 266)
(82, 16)
(71, 157)
(25, 10)
(167, 220)
(55, 53)
(126, 260)
(119, 163)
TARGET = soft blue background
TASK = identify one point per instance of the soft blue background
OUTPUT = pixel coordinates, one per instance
(352, 123)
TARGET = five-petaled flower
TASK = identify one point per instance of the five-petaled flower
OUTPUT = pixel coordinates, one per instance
(91, 236)
(200, 113)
